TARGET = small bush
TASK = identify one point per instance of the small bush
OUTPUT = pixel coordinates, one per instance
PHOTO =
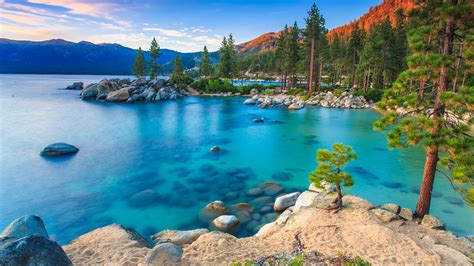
(295, 91)
(373, 94)
(268, 92)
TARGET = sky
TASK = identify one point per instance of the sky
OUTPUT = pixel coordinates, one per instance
(180, 25)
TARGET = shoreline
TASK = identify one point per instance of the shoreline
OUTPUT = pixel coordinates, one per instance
(378, 234)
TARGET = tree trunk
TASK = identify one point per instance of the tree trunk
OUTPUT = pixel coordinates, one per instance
(424, 199)
(311, 66)
(458, 64)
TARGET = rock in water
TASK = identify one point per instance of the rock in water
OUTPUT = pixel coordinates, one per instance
(118, 96)
(217, 206)
(285, 201)
(215, 149)
(58, 149)
(432, 222)
(75, 86)
(177, 237)
(296, 106)
(258, 120)
(250, 101)
(163, 254)
(90, 92)
(25, 226)
(31, 250)
(226, 222)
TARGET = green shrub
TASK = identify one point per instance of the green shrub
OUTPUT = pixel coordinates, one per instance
(373, 94)
(295, 91)
(268, 92)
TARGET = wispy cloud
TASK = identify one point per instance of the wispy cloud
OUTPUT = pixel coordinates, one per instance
(168, 32)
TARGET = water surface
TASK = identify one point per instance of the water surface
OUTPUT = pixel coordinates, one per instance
(147, 165)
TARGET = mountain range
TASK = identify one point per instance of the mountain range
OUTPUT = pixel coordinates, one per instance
(58, 56)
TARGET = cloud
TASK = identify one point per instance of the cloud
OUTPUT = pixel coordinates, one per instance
(208, 40)
(78, 6)
(167, 32)
(201, 30)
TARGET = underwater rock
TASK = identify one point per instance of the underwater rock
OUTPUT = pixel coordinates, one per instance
(58, 149)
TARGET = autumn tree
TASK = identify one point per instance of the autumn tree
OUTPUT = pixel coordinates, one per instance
(330, 170)
(423, 108)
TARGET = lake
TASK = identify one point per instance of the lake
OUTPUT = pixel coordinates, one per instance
(148, 165)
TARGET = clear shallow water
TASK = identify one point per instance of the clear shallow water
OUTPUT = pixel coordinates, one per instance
(128, 148)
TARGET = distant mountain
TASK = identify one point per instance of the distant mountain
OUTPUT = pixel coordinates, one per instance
(58, 56)
(375, 15)
(263, 43)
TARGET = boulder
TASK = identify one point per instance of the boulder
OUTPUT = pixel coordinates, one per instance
(253, 91)
(178, 237)
(254, 192)
(305, 200)
(384, 215)
(164, 254)
(393, 208)
(139, 82)
(25, 226)
(58, 149)
(118, 96)
(103, 88)
(258, 120)
(271, 188)
(242, 206)
(285, 201)
(90, 92)
(250, 101)
(217, 206)
(296, 106)
(406, 214)
(76, 86)
(225, 222)
(215, 149)
(31, 250)
(432, 222)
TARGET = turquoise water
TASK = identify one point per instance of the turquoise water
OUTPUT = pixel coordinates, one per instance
(163, 148)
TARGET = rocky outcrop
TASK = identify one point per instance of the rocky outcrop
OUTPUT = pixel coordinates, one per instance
(58, 149)
(76, 86)
(113, 244)
(177, 237)
(432, 222)
(323, 99)
(124, 90)
(285, 201)
(31, 250)
(25, 226)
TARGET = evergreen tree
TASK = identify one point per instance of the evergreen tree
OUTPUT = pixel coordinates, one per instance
(355, 48)
(424, 109)
(282, 55)
(205, 63)
(154, 55)
(232, 56)
(314, 30)
(227, 58)
(330, 170)
(177, 75)
(293, 53)
(139, 68)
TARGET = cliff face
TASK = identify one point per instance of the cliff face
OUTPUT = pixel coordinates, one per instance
(375, 15)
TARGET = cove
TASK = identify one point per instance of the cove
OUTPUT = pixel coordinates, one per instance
(148, 165)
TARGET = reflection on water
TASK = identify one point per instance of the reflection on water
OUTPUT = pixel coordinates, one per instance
(148, 166)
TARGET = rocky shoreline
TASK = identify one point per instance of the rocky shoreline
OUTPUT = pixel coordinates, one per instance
(386, 234)
(142, 90)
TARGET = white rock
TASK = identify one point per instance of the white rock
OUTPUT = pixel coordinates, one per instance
(225, 222)
(285, 201)
(305, 200)
(163, 254)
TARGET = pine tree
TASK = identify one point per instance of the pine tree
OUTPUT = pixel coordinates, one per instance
(177, 75)
(154, 55)
(314, 30)
(355, 48)
(293, 53)
(205, 63)
(424, 109)
(282, 53)
(330, 170)
(139, 68)
(227, 58)
(232, 56)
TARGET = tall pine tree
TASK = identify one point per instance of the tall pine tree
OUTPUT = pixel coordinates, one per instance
(205, 63)
(139, 67)
(314, 30)
(154, 55)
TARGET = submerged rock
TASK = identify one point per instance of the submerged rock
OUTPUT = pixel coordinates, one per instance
(25, 226)
(215, 149)
(258, 120)
(32, 250)
(178, 237)
(250, 101)
(58, 149)
(226, 222)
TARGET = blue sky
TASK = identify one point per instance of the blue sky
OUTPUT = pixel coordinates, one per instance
(180, 25)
